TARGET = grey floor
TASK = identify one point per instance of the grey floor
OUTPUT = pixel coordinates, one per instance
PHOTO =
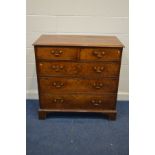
(77, 134)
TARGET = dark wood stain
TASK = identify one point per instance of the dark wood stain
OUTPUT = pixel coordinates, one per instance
(78, 73)
(95, 69)
(61, 85)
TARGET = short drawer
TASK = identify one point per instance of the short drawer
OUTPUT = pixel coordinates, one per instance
(82, 101)
(56, 53)
(100, 54)
(94, 69)
(57, 85)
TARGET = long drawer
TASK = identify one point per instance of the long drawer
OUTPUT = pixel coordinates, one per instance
(82, 101)
(93, 69)
(58, 84)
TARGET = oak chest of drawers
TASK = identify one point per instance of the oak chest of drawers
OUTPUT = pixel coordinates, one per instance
(78, 73)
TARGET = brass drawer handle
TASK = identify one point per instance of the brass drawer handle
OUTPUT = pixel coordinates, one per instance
(96, 102)
(99, 54)
(58, 84)
(58, 100)
(56, 53)
(98, 85)
(57, 68)
(98, 69)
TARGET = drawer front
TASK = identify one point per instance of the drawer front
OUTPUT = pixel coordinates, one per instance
(100, 54)
(102, 102)
(98, 69)
(57, 85)
(56, 53)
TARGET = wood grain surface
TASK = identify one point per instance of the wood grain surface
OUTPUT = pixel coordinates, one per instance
(78, 40)
(78, 73)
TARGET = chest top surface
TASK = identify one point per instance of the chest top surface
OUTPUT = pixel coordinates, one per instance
(78, 40)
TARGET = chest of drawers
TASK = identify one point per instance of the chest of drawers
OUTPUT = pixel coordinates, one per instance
(78, 73)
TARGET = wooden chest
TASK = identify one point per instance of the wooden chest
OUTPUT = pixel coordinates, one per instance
(78, 73)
